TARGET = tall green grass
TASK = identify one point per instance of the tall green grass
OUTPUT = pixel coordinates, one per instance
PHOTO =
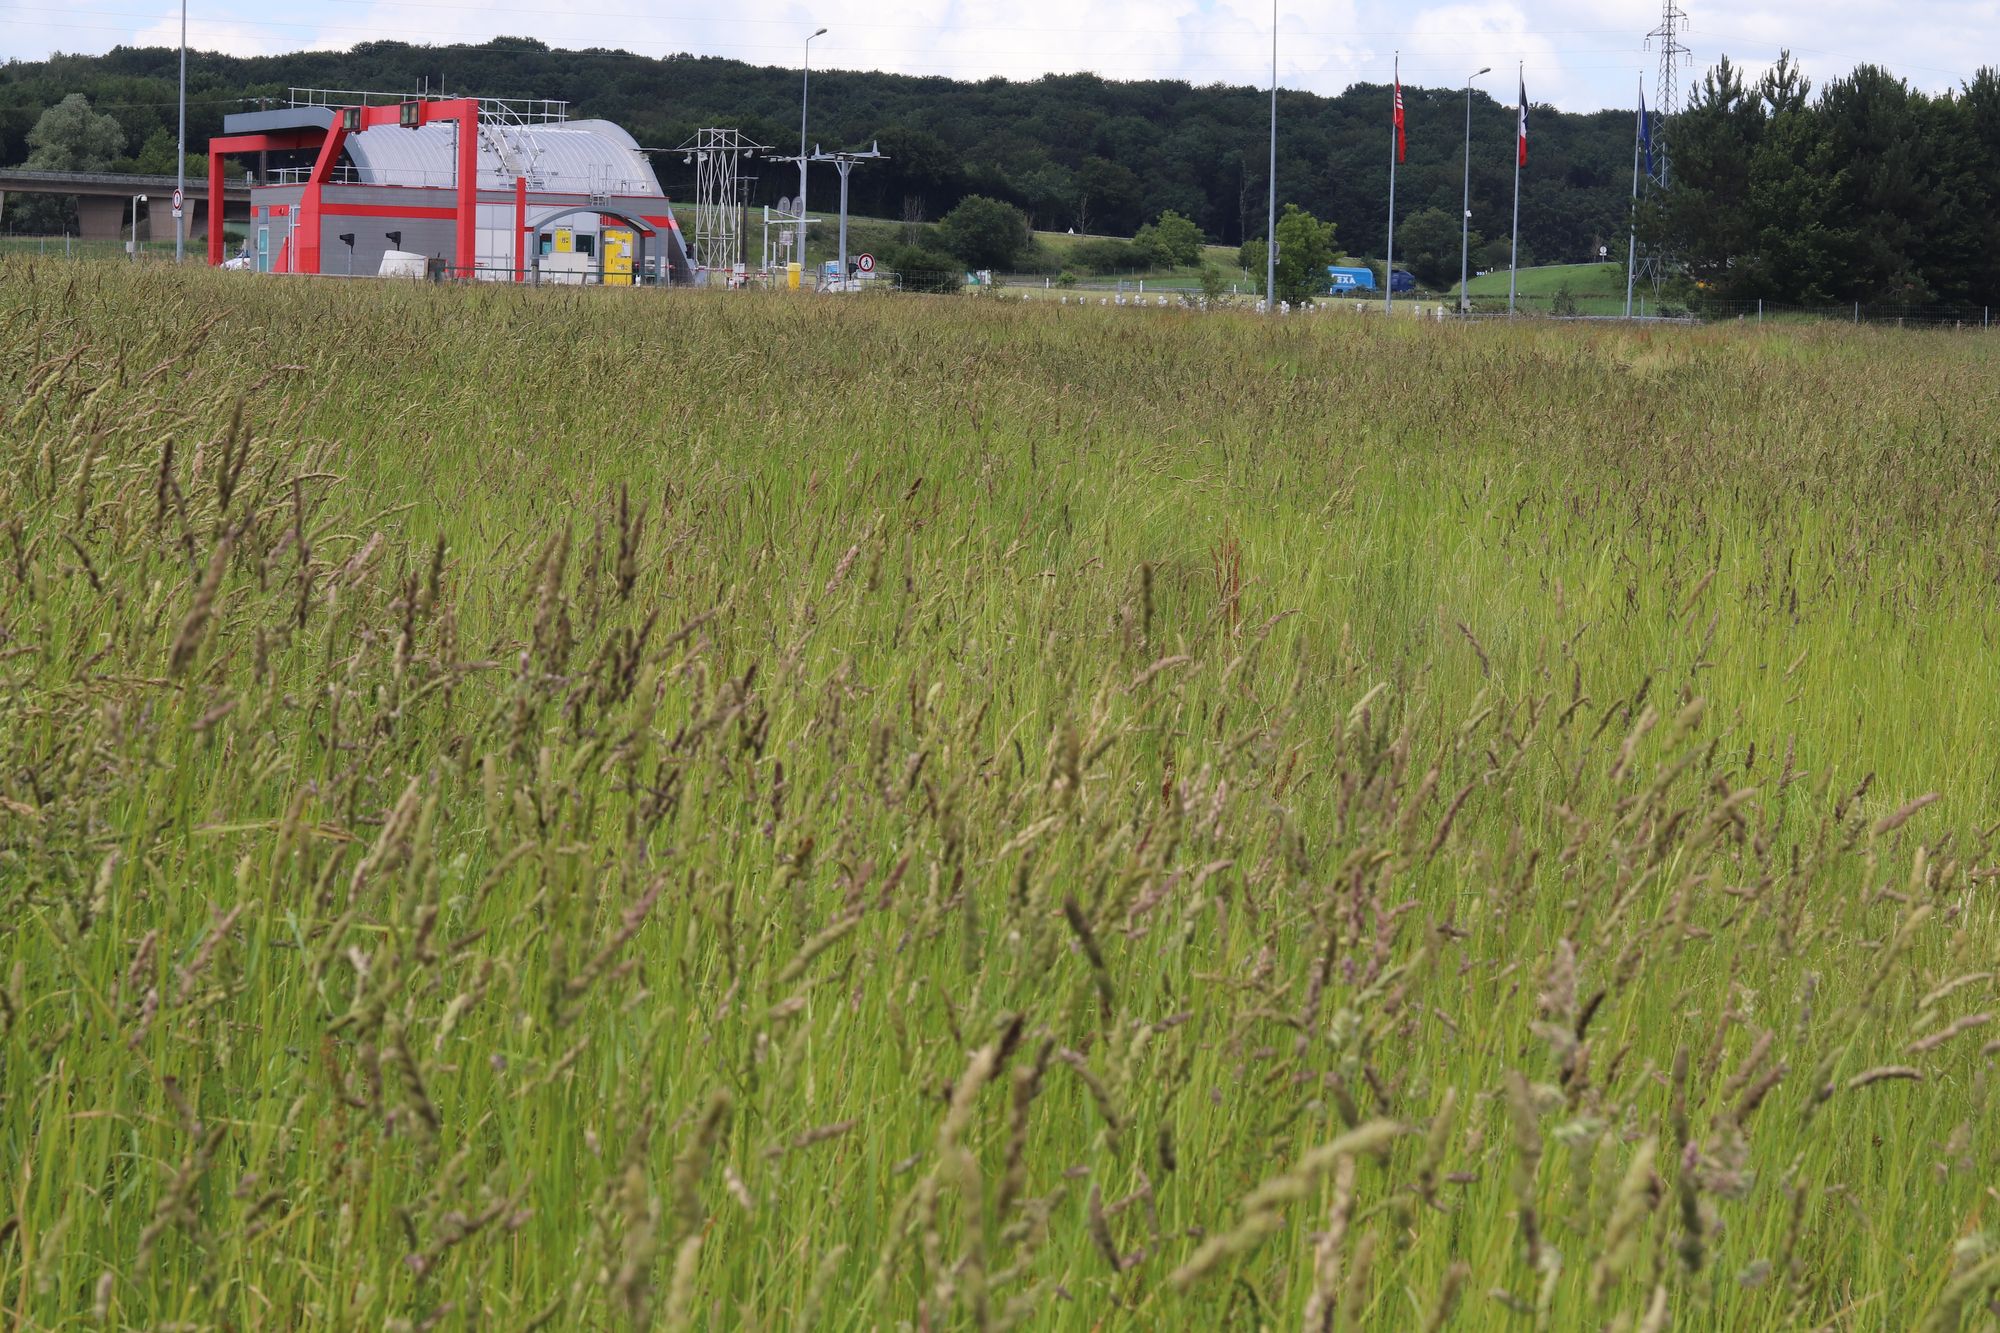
(589, 809)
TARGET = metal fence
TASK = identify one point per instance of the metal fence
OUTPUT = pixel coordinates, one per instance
(1645, 305)
(1162, 294)
(1852, 312)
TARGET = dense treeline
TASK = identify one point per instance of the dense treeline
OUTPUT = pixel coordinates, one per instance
(1867, 189)
(1871, 190)
(1072, 151)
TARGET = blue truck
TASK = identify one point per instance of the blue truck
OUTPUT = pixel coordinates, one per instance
(1343, 280)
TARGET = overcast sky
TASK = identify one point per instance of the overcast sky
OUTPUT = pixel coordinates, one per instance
(1578, 55)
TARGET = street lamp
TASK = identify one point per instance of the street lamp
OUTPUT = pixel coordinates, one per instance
(1465, 213)
(181, 148)
(1271, 215)
(805, 89)
(137, 200)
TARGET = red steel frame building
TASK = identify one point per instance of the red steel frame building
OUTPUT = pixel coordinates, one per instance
(464, 111)
(321, 197)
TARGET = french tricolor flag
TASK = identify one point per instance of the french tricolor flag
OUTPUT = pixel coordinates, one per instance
(1521, 144)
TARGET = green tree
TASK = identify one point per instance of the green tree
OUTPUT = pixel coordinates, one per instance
(1305, 248)
(156, 157)
(1427, 244)
(984, 233)
(921, 269)
(1172, 242)
(1108, 197)
(1708, 211)
(71, 137)
(1103, 255)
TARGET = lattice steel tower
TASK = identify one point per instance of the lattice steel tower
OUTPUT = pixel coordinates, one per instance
(717, 156)
(1666, 39)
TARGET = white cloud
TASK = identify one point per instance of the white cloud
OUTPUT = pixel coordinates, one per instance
(211, 34)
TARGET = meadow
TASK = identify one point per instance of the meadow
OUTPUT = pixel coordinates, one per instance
(1594, 289)
(593, 809)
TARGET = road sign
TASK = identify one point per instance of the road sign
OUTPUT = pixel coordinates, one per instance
(866, 263)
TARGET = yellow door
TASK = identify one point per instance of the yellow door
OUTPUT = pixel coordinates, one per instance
(617, 257)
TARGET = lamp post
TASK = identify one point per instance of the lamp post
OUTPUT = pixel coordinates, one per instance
(137, 200)
(1465, 212)
(181, 148)
(805, 90)
(1271, 214)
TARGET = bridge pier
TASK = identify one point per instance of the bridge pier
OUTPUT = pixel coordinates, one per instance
(101, 218)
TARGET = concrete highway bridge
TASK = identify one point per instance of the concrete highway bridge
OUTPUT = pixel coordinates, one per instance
(104, 201)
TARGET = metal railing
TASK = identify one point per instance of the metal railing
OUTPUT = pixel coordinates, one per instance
(499, 110)
(602, 191)
(1850, 312)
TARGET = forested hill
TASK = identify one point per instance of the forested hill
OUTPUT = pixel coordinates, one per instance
(1073, 151)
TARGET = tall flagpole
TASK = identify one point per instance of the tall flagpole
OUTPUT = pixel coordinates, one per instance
(1520, 141)
(1271, 226)
(1395, 144)
(1632, 237)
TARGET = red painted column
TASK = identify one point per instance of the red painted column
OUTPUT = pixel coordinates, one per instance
(520, 229)
(302, 245)
(217, 187)
(468, 187)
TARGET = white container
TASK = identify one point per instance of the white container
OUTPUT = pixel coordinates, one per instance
(402, 264)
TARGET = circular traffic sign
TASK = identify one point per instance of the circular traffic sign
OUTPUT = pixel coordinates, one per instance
(866, 263)
(177, 197)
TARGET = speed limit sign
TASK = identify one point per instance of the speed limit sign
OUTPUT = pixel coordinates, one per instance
(866, 263)
(177, 202)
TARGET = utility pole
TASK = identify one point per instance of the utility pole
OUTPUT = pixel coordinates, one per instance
(844, 163)
(805, 88)
(1465, 211)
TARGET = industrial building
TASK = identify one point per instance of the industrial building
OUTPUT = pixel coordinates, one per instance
(474, 188)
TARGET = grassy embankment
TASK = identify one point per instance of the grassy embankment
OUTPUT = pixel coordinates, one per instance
(609, 809)
(1597, 289)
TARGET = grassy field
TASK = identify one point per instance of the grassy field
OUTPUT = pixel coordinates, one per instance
(595, 809)
(1598, 289)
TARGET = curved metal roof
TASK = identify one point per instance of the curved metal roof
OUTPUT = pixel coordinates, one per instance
(574, 157)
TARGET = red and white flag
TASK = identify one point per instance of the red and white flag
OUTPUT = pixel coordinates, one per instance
(1522, 139)
(1402, 140)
